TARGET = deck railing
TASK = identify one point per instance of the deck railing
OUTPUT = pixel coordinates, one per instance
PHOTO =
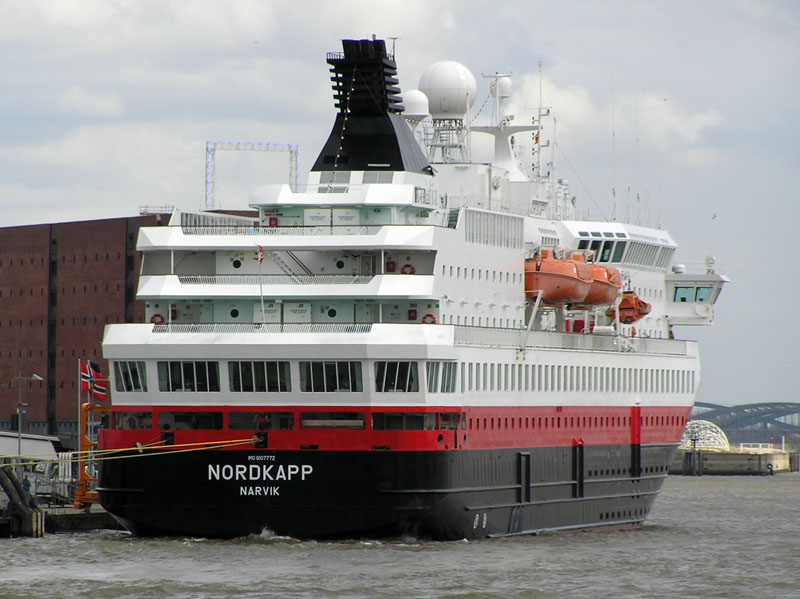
(225, 327)
(464, 335)
(492, 337)
(272, 279)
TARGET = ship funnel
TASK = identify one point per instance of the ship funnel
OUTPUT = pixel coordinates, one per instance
(369, 132)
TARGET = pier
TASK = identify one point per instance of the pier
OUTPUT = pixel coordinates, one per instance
(21, 516)
(734, 461)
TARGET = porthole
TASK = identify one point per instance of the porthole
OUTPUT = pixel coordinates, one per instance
(234, 313)
(332, 312)
(237, 263)
(340, 264)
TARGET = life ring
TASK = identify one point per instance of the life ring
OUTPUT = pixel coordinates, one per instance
(157, 319)
(407, 269)
(429, 319)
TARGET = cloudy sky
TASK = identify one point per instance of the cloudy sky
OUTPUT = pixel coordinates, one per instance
(106, 106)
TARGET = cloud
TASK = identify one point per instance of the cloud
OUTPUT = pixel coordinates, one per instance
(658, 120)
(77, 99)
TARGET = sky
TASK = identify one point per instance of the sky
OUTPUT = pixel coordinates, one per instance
(686, 110)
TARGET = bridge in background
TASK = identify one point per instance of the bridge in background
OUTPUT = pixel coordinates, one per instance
(755, 422)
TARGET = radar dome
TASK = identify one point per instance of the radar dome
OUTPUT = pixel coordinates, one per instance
(501, 87)
(416, 104)
(450, 87)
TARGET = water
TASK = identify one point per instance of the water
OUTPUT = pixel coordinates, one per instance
(731, 537)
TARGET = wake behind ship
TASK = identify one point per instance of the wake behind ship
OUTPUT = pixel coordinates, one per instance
(414, 343)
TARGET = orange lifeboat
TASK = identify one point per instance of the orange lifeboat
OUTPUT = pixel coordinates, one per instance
(560, 281)
(631, 308)
(606, 283)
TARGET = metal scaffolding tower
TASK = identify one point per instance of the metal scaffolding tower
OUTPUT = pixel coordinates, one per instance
(213, 146)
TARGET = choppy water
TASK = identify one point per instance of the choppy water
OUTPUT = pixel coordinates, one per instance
(731, 537)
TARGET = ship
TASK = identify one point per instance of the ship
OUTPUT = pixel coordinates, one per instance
(415, 343)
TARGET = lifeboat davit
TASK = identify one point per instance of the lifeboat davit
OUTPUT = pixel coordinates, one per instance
(606, 283)
(631, 308)
(560, 281)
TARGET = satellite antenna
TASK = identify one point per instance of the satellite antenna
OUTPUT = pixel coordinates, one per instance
(394, 41)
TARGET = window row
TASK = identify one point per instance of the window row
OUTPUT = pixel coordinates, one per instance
(380, 421)
(582, 423)
(264, 421)
(481, 274)
(402, 376)
(481, 376)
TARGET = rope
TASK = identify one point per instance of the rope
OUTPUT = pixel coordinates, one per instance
(109, 454)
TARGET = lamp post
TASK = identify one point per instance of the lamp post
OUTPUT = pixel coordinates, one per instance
(20, 404)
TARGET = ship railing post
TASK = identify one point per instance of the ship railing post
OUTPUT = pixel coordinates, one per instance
(532, 318)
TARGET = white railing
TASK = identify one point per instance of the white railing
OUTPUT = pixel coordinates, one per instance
(492, 337)
(300, 230)
(275, 279)
(297, 230)
(263, 328)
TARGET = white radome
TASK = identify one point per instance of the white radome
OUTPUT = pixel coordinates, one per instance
(503, 86)
(450, 87)
(416, 104)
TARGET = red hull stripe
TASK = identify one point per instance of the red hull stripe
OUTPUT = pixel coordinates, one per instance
(357, 429)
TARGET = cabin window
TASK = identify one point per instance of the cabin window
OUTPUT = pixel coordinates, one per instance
(328, 377)
(432, 372)
(703, 294)
(193, 421)
(332, 420)
(403, 421)
(133, 420)
(188, 376)
(619, 249)
(130, 376)
(683, 294)
(396, 377)
(264, 377)
(605, 253)
(448, 377)
(261, 421)
(449, 421)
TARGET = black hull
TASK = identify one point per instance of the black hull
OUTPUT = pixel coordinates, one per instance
(443, 495)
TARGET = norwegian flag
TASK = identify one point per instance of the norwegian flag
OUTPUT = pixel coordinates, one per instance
(92, 381)
(259, 255)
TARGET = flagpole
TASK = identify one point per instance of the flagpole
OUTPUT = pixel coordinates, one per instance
(78, 425)
(260, 259)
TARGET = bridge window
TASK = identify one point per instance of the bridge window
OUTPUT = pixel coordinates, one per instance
(259, 376)
(130, 376)
(605, 253)
(316, 377)
(703, 294)
(619, 249)
(683, 294)
(188, 376)
(396, 377)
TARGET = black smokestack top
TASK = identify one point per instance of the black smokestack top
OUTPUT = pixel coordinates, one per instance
(365, 78)
(369, 134)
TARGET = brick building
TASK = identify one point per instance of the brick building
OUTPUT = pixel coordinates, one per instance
(60, 284)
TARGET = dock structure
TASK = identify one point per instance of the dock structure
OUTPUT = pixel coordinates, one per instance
(21, 517)
(705, 449)
(733, 461)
